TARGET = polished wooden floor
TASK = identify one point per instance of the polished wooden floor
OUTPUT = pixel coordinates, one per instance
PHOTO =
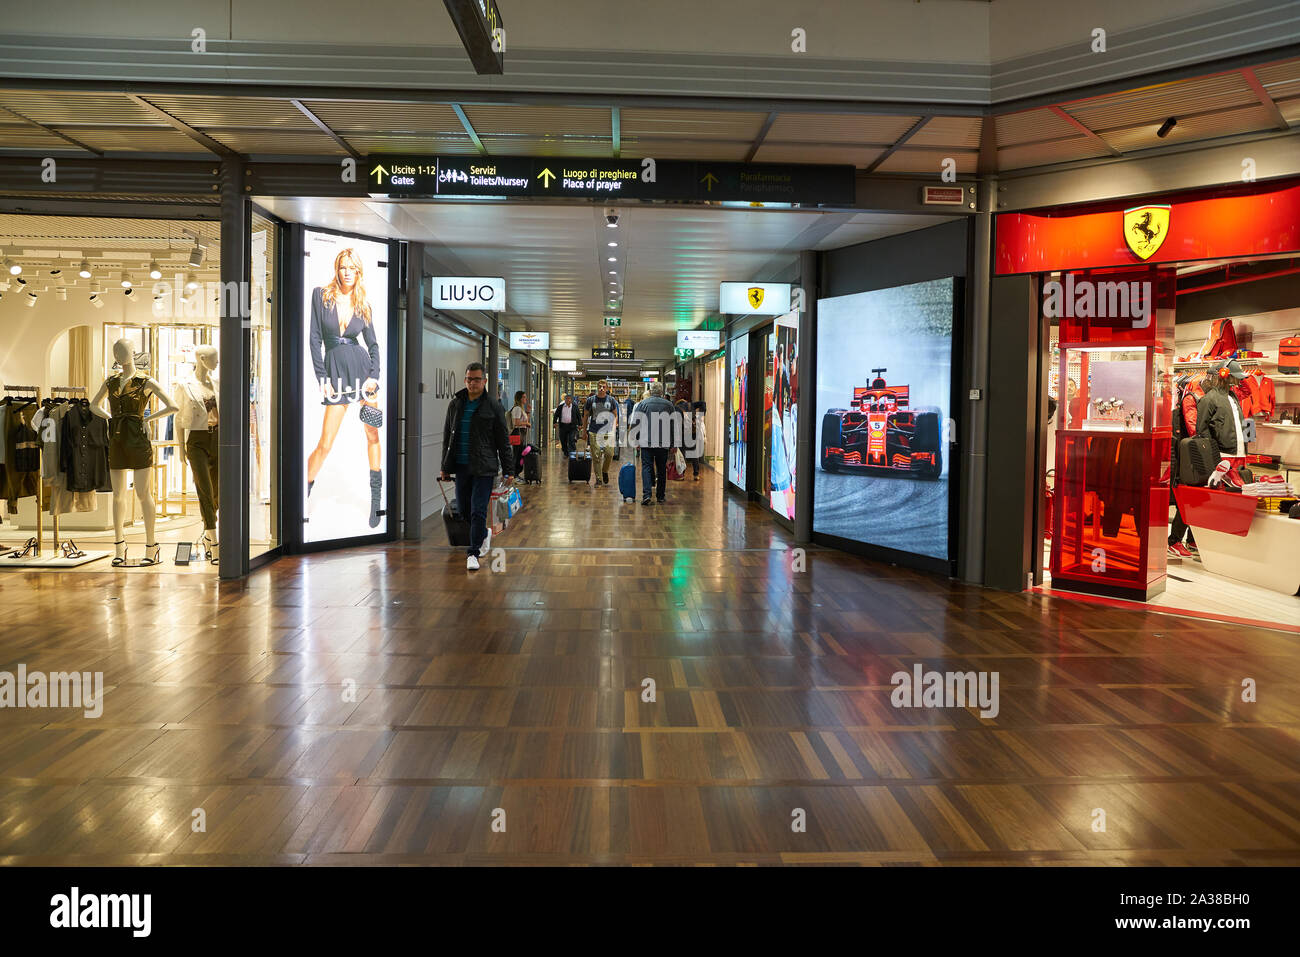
(521, 691)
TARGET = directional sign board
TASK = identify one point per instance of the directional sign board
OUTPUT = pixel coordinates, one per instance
(411, 175)
(605, 352)
(481, 31)
(613, 320)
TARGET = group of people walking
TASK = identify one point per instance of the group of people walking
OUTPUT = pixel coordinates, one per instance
(482, 439)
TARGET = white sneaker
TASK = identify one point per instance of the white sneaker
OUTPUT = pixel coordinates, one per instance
(487, 542)
(471, 563)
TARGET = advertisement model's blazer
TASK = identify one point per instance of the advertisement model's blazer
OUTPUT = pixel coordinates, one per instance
(341, 359)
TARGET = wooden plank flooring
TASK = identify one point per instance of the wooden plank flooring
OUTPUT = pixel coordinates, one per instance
(521, 691)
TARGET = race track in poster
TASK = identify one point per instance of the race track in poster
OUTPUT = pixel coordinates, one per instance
(895, 511)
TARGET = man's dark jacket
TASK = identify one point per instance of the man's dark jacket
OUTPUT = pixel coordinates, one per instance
(489, 437)
(1214, 418)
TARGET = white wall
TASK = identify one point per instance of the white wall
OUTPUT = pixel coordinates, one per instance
(445, 354)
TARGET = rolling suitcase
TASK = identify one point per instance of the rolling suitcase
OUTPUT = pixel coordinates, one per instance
(579, 466)
(457, 526)
(532, 467)
(627, 482)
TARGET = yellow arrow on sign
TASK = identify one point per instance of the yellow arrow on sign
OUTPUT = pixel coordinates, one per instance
(542, 176)
(708, 181)
(379, 173)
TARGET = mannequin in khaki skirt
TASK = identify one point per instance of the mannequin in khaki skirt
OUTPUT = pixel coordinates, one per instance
(198, 422)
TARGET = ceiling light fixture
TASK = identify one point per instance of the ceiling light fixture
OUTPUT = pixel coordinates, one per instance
(125, 280)
(61, 293)
(612, 259)
(611, 244)
(56, 272)
(1167, 127)
(31, 299)
(191, 283)
(128, 291)
(84, 271)
(96, 300)
(154, 271)
(12, 267)
(196, 255)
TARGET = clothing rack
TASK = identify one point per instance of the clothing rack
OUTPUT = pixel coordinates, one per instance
(58, 392)
(34, 393)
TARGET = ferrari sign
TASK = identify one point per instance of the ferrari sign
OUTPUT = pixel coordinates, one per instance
(754, 298)
(1145, 229)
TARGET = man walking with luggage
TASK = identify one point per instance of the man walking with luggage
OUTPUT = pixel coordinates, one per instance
(654, 432)
(566, 419)
(600, 419)
(475, 444)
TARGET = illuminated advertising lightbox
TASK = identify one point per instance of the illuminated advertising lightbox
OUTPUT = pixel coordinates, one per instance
(754, 298)
(701, 340)
(738, 421)
(780, 406)
(530, 340)
(564, 365)
(883, 407)
(345, 408)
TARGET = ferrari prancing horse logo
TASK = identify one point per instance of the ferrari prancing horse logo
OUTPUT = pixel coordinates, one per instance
(1145, 229)
(755, 296)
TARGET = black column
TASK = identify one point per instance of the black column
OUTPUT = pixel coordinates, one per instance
(413, 392)
(233, 409)
(1012, 403)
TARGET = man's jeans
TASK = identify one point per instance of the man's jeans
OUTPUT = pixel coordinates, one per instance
(473, 495)
(654, 461)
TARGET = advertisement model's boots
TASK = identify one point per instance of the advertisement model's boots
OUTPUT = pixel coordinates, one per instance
(376, 485)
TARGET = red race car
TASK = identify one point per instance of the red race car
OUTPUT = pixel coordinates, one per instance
(880, 433)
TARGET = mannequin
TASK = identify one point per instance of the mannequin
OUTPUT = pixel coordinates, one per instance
(198, 422)
(130, 455)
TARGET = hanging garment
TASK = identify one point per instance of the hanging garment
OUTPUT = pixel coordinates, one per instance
(22, 455)
(1263, 396)
(128, 445)
(83, 451)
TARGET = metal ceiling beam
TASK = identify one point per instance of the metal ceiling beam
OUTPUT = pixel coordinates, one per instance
(1266, 101)
(324, 128)
(916, 128)
(202, 139)
(53, 132)
(762, 135)
(1086, 131)
(616, 130)
(469, 128)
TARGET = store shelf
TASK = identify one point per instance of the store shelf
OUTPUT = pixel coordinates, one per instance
(1206, 363)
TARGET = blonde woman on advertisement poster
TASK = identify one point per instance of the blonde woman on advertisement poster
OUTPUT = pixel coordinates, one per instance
(346, 370)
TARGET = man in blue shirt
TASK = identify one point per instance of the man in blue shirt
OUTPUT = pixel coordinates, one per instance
(476, 444)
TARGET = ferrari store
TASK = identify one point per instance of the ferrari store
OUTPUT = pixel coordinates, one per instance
(110, 412)
(1169, 397)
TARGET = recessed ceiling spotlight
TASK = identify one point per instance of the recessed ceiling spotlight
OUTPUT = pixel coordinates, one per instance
(611, 244)
(154, 271)
(1167, 127)
(613, 272)
(612, 259)
(84, 271)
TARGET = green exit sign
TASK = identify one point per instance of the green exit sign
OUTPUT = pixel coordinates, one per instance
(684, 353)
(613, 320)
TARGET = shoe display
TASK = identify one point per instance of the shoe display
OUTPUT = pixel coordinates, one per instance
(28, 549)
(120, 548)
(151, 556)
(471, 563)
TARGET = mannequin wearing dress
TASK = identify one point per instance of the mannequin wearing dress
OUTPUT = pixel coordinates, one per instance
(130, 454)
(199, 446)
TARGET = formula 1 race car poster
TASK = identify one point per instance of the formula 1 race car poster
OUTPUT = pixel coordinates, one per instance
(884, 382)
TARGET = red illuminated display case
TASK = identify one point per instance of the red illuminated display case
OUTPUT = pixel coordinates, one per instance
(1111, 516)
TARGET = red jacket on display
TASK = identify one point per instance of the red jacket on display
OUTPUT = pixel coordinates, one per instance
(1263, 397)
